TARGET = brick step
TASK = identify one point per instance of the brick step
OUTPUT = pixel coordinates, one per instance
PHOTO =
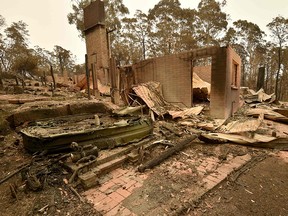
(105, 165)
(90, 178)
(109, 161)
(133, 157)
(109, 155)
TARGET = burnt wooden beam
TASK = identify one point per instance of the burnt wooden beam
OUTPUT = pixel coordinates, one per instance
(167, 153)
(13, 173)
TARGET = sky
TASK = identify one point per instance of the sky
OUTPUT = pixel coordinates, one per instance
(48, 24)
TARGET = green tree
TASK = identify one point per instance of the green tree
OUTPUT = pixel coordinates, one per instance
(2, 23)
(64, 59)
(127, 48)
(132, 45)
(45, 59)
(248, 40)
(279, 30)
(284, 78)
(164, 18)
(26, 63)
(187, 31)
(17, 35)
(79, 69)
(115, 10)
(15, 44)
(211, 23)
(14, 47)
(2, 46)
(142, 30)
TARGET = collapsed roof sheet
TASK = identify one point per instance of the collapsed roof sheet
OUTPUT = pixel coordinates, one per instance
(149, 92)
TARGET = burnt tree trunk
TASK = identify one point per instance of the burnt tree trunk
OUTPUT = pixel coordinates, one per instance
(53, 78)
(278, 73)
(44, 78)
(87, 76)
(1, 83)
(144, 49)
(23, 79)
(261, 78)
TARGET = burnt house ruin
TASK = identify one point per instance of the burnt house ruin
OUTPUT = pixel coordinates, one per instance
(174, 72)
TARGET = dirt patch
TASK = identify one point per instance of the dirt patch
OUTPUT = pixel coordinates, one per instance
(262, 190)
(160, 193)
(177, 179)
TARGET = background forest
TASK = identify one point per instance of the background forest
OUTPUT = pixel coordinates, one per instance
(165, 29)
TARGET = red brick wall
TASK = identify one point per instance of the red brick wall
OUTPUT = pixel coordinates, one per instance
(96, 42)
(204, 72)
(224, 97)
(218, 94)
(174, 73)
(234, 96)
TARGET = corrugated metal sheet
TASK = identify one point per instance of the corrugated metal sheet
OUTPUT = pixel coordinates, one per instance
(150, 94)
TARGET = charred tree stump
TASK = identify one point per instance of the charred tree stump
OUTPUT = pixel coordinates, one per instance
(87, 77)
(53, 78)
(261, 78)
(155, 161)
(1, 81)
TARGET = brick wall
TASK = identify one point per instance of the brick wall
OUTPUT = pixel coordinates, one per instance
(173, 72)
(224, 98)
(97, 51)
(175, 75)
(204, 72)
(234, 91)
(218, 84)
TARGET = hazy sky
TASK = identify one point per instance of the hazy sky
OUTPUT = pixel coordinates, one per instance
(48, 25)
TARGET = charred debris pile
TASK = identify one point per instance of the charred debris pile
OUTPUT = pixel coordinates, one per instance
(86, 139)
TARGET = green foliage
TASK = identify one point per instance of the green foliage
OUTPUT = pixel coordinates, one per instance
(17, 35)
(248, 34)
(2, 48)
(164, 18)
(2, 21)
(25, 62)
(79, 69)
(16, 57)
(76, 17)
(167, 28)
(248, 40)
(115, 10)
(279, 30)
(64, 59)
(127, 48)
(13, 44)
(211, 22)
(187, 30)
